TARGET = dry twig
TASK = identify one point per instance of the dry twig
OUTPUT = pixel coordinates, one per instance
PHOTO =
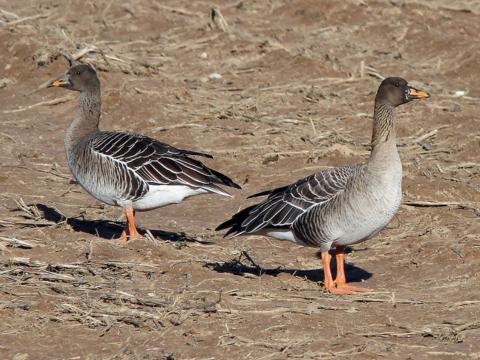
(17, 243)
(41, 103)
(27, 18)
(217, 21)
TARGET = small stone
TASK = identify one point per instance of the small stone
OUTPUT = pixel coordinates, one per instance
(214, 76)
(5, 82)
(20, 356)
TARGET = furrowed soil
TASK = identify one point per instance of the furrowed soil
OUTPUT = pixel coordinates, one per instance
(277, 91)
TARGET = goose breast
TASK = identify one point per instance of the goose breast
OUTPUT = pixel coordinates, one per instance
(368, 212)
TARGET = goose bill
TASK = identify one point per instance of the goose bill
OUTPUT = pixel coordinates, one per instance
(417, 94)
(62, 81)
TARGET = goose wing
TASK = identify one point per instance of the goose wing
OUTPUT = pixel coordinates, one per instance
(156, 163)
(284, 205)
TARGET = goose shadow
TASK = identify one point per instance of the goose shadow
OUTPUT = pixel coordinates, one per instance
(238, 267)
(106, 229)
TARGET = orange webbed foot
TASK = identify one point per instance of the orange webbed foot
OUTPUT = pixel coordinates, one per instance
(130, 232)
(354, 289)
(132, 236)
(338, 290)
(123, 237)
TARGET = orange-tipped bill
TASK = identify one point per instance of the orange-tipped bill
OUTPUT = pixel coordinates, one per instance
(62, 81)
(417, 94)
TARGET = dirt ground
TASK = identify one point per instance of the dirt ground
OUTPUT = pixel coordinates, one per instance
(283, 89)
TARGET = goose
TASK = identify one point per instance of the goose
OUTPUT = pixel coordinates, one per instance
(337, 206)
(128, 170)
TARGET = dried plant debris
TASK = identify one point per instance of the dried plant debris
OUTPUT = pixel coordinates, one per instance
(274, 90)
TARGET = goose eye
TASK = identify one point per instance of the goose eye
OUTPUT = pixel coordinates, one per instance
(397, 84)
(78, 73)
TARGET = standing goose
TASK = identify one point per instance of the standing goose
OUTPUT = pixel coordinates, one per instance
(128, 170)
(339, 206)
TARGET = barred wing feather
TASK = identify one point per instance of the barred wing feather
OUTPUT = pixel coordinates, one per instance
(284, 205)
(156, 163)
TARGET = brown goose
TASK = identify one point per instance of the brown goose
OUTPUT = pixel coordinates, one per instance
(340, 206)
(128, 170)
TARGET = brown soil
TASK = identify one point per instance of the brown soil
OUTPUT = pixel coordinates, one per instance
(296, 94)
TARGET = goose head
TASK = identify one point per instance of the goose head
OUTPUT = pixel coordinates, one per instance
(396, 91)
(79, 77)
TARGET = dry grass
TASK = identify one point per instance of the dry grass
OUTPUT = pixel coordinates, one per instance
(274, 90)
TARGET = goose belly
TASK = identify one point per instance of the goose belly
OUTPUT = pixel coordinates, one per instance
(109, 199)
(371, 216)
(162, 195)
(105, 194)
(280, 234)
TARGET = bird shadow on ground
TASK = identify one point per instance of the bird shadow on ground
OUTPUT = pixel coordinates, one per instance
(238, 267)
(106, 229)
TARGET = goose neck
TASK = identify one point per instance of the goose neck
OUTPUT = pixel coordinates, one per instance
(383, 124)
(384, 148)
(86, 120)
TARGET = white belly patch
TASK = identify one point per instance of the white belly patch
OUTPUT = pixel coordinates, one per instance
(162, 195)
(279, 234)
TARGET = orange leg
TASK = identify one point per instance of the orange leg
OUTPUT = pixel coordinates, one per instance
(328, 282)
(341, 280)
(130, 231)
